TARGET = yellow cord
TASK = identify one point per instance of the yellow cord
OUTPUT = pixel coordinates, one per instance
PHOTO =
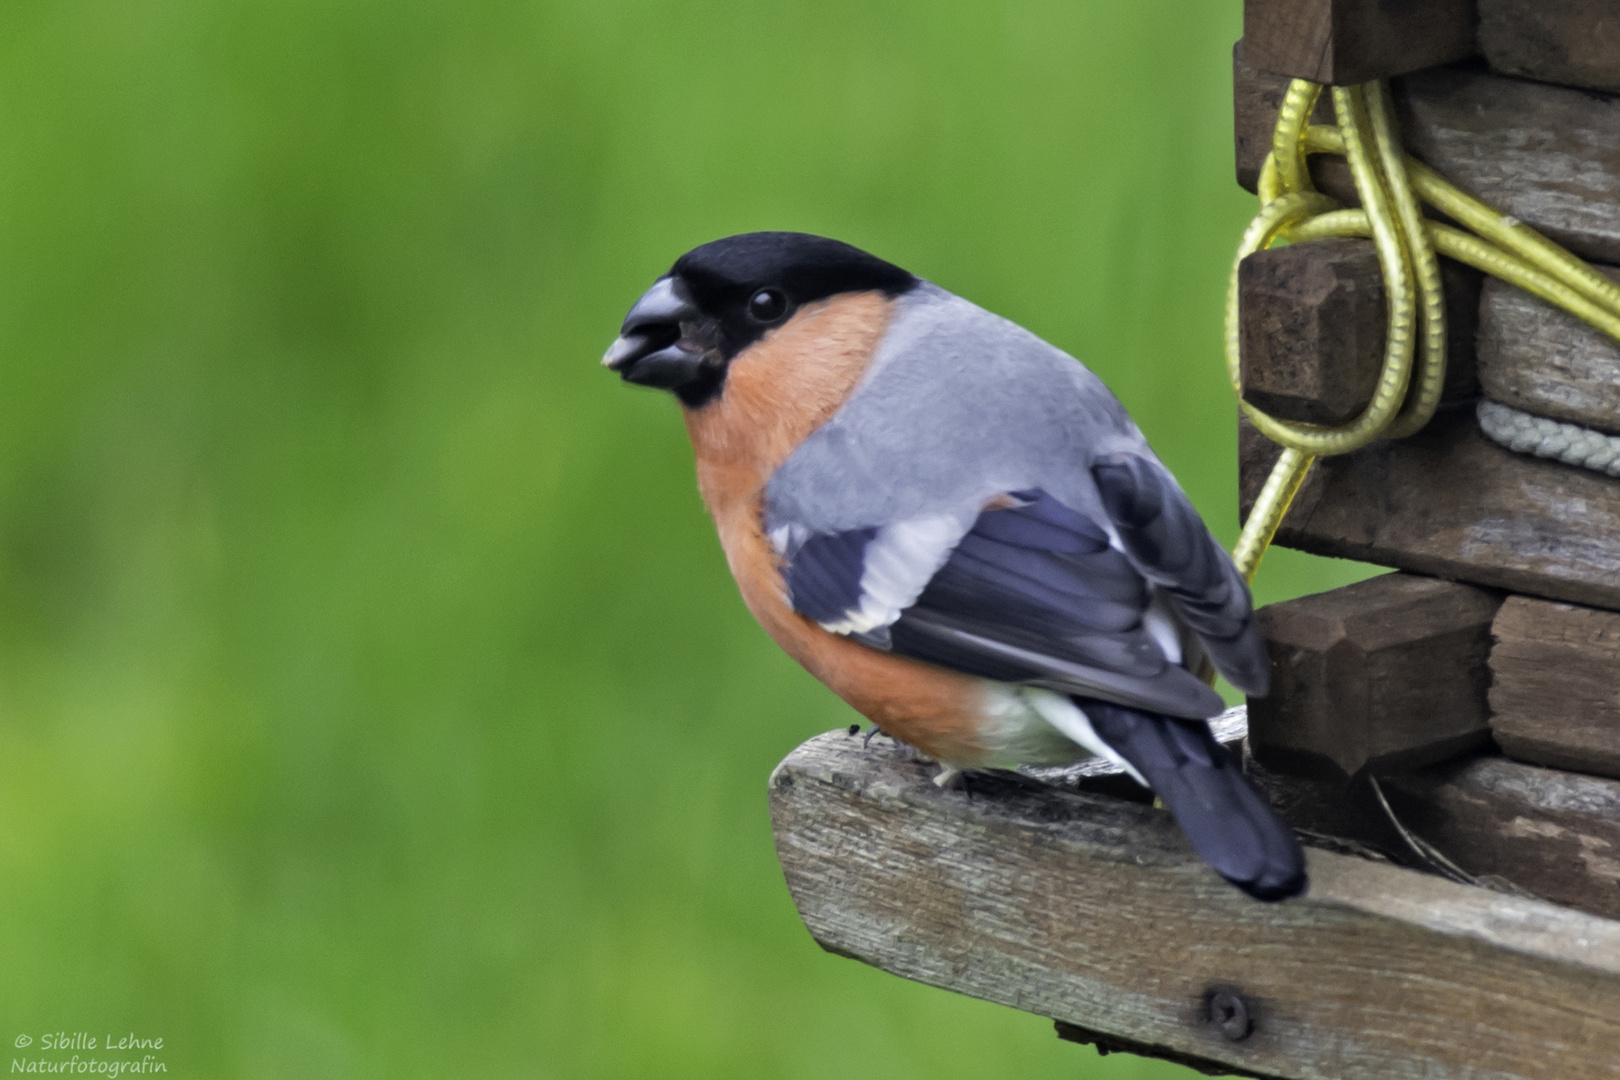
(1431, 378)
(1390, 185)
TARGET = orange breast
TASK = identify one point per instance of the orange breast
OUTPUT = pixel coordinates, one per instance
(776, 393)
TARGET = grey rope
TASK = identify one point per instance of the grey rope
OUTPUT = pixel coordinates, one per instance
(1543, 437)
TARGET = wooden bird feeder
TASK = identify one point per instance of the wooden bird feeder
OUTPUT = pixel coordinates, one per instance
(1446, 738)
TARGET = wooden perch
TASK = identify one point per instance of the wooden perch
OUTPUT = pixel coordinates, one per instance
(1555, 691)
(1574, 42)
(1352, 41)
(1451, 503)
(1387, 673)
(1543, 360)
(1547, 155)
(1312, 323)
(1096, 913)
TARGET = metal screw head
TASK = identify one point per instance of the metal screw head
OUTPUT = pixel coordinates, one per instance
(1230, 1015)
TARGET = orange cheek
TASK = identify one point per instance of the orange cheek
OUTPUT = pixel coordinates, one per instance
(784, 387)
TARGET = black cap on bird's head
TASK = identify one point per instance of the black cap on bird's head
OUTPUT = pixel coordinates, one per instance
(720, 298)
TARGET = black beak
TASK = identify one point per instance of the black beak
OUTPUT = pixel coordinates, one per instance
(657, 345)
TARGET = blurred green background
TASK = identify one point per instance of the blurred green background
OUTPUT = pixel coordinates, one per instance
(373, 697)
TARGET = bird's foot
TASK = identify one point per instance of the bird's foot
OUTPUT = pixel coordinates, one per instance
(951, 778)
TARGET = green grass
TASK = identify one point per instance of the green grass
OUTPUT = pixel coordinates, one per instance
(373, 697)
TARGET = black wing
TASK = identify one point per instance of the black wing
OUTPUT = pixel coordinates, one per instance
(1032, 593)
(1168, 542)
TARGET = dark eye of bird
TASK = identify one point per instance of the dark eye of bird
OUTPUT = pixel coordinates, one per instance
(767, 305)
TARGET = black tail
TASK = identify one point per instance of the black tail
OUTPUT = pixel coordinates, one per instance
(1231, 826)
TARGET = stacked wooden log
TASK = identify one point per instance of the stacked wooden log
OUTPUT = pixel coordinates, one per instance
(1463, 713)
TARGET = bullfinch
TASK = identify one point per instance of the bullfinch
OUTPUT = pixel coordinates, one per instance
(958, 528)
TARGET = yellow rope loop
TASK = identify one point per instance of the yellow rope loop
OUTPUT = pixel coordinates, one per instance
(1519, 246)
(1288, 137)
(1276, 219)
(1390, 183)
(1431, 378)
(1287, 169)
(1350, 105)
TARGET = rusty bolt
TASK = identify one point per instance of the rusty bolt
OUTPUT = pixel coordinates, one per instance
(1230, 1015)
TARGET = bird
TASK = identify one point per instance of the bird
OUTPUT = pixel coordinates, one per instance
(958, 528)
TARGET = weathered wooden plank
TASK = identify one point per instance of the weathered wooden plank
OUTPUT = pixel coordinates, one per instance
(1555, 688)
(1546, 361)
(1451, 503)
(1388, 673)
(1507, 824)
(1352, 41)
(1312, 322)
(1095, 912)
(1547, 155)
(1552, 833)
(1574, 42)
